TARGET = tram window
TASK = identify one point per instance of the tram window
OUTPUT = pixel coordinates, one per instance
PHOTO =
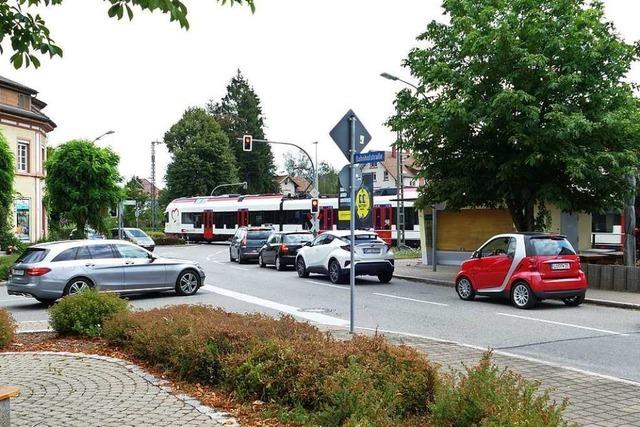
(227, 219)
(194, 218)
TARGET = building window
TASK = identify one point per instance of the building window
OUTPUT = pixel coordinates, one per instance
(386, 175)
(375, 178)
(23, 156)
(23, 101)
(374, 165)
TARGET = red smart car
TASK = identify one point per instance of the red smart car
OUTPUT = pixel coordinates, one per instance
(526, 268)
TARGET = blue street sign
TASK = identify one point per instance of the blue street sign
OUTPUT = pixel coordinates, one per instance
(370, 157)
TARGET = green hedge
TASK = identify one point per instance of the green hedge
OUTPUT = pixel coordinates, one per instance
(5, 265)
(309, 378)
(85, 313)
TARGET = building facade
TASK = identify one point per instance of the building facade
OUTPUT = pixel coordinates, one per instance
(25, 127)
(385, 174)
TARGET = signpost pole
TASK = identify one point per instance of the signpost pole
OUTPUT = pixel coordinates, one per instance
(352, 221)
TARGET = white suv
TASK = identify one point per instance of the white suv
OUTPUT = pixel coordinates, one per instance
(329, 254)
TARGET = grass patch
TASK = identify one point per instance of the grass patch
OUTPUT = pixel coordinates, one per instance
(406, 253)
(6, 261)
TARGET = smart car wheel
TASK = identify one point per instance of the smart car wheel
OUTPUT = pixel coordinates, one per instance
(464, 289)
(261, 261)
(279, 264)
(231, 258)
(188, 283)
(521, 296)
(573, 301)
(77, 285)
(301, 268)
(335, 272)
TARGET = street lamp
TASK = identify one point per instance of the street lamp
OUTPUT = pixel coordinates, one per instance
(109, 132)
(434, 209)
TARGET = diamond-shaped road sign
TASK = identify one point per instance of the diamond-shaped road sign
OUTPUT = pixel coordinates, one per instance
(314, 193)
(340, 135)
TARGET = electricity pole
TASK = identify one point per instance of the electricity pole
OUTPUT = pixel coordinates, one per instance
(154, 202)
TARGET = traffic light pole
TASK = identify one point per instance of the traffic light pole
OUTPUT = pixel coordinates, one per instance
(313, 166)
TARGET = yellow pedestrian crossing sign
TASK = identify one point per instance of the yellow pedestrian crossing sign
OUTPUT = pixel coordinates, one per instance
(363, 203)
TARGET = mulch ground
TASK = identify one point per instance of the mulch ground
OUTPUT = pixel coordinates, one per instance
(253, 415)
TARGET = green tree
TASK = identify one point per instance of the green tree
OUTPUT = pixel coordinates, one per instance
(522, 103)
(134, 190)
(82, 183)
(7, 172)
(29, 36)
(240, 113)
(298, 165)
(202, 157)
(327, 179)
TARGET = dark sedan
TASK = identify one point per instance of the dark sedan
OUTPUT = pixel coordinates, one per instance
(281, 249)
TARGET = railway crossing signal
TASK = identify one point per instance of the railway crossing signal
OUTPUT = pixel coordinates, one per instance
(247, 143)
(314, 206)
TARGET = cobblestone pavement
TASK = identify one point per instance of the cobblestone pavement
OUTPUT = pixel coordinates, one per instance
(70, 389)
(594, 400)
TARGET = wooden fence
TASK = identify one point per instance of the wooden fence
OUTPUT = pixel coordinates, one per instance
(613, 277)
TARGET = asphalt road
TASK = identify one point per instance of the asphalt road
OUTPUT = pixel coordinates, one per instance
(593, 338)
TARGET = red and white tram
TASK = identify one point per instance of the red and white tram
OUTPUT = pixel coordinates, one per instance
(215, 218)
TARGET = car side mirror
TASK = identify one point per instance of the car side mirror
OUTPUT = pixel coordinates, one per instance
(477, 254)
(151, 257)
(308, 244)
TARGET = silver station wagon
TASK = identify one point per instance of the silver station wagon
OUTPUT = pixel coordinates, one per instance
(50, 271)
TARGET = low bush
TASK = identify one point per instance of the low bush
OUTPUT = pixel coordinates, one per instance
(85, 313)
(327, 382)
(6, 261)
(7, 327)
(162, 239)
(485, 395)
(314, 379)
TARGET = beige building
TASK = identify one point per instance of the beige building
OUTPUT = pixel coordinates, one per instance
(25, 127)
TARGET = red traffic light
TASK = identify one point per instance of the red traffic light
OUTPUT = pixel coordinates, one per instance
(247, 142)
(314, 205)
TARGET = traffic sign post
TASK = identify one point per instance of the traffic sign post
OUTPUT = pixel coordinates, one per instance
(351, 137)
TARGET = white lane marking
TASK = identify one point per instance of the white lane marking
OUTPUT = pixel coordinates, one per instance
(16, 299)
(571, 325)
(508, 354)
(344, 288)
(411, 299)
(294, 311)
(231, 266)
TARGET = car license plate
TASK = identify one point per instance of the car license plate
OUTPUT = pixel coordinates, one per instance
(371, 251)
(560, 266)
(17, 272)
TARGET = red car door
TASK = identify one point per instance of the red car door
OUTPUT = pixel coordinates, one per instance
(494, 263)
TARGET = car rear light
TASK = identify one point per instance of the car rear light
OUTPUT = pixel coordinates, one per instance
(244, 241)
(346, 248)
(284, 249)
(37, 271)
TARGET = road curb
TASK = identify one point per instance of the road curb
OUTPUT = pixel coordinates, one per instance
(446, 283)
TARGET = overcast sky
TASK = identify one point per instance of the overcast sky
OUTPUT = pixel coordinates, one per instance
(309, 61)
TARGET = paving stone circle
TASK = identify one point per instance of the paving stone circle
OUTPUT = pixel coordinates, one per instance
(72, 389)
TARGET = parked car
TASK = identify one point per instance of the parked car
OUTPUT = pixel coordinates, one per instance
(330, 254)
(281, 248)
(246, 243)
(135, 235)
(90, 234)
(50, 271)
(526, 268)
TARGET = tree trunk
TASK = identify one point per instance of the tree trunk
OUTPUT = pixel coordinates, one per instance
(522, 214)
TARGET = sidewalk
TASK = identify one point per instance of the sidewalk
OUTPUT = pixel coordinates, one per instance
(445, 275)
(74, 389)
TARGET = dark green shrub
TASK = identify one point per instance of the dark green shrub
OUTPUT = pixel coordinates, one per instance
(7, 327)
(85, 313)
(485, 395)
(6, 261)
